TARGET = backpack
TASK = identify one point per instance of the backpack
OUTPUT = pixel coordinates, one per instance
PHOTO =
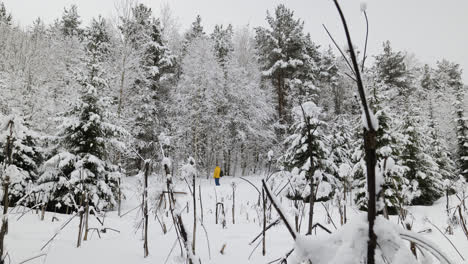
(221, 174)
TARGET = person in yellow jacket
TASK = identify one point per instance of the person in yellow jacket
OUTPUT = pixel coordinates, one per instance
(217, 175)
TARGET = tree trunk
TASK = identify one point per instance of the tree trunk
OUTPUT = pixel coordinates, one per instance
(280, 92)
(344, 204)
(86, 219)
(311, 204)
(201, 203)
(80, 227)
(145, 209)
(264, 223)
(233, 204)
(371, 161)
(120, 191)
(296, 215)
(194, 216)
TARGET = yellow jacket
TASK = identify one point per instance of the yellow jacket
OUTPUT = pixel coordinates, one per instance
(217, 172)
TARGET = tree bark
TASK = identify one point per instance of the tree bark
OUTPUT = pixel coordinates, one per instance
(369, 144)
(233, 204)
(145, 209)
(264, 223)
(194, 216)
(201, 203)
(86, 219)
(80, 227)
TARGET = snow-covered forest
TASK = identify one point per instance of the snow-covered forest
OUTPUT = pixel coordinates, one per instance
(110, 133)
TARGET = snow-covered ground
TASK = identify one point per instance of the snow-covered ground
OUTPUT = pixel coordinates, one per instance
(28, 234)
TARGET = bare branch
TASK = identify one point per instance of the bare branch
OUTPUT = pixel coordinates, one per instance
(339, 49)
(281, 214)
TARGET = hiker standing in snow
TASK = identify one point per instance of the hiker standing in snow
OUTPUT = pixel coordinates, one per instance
(217, 175)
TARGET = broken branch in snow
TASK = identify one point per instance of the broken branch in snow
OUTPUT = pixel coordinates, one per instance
(268, 227)
(282, 259)
(321, 226)
(32, 258)
(56, 233)
(278, 209)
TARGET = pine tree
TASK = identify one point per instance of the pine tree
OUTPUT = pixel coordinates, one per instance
(70, 22)
(81, 165)
(392, 70)
(152, 87)
(5, 17)
(195, 31)
(283, 53)
(427, 82)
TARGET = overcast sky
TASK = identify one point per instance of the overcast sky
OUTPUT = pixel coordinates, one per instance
(431, 29)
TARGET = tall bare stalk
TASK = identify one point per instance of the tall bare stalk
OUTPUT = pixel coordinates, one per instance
(370, 143)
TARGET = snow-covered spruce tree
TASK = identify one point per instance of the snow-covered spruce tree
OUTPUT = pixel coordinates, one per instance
(341, 146)
(188, 170)
(396, 192)
(195, 31)
(447, 80)
(307, 154)
(80, 163)
(438, 149)
(153, 86)
(392, 70)
(461, 120)
(26, 157)
(284, 53)
(222, 42)
(416, 157)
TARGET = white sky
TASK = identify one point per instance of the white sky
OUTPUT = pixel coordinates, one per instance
(432, 29)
